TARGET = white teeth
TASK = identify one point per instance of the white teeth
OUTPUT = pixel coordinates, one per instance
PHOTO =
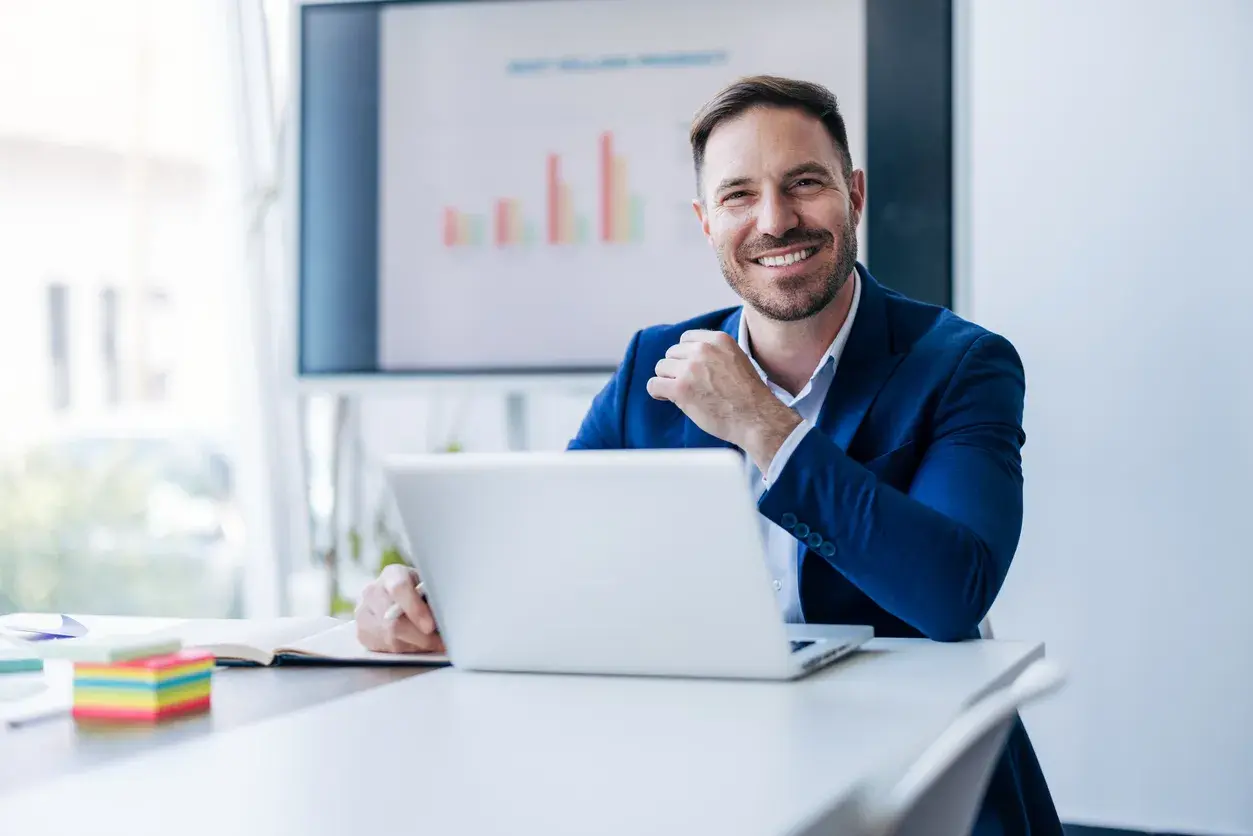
(785, 260)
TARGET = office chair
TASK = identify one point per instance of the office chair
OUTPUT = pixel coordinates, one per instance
(939, 793)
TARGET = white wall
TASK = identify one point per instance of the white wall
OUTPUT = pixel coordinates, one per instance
(1110, 203)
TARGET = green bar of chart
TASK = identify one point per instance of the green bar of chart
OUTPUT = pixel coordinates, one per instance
(637, 219)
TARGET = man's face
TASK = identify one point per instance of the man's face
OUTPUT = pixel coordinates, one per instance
(777, 209)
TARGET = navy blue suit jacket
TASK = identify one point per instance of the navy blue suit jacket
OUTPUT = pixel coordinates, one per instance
(906, 498)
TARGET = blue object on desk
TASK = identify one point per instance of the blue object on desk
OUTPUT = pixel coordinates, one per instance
(37, 627)
(19, 665)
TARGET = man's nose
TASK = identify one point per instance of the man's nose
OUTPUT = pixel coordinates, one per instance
(776, 215)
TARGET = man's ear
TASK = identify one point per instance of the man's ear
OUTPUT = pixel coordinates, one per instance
(703, 216)
(857, 193)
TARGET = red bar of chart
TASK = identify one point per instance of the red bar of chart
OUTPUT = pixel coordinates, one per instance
(451, 227)
(552, 198)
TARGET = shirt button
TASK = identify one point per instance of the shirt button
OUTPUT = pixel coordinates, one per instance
(778, 585)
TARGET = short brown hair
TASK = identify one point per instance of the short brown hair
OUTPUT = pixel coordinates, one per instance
(769, 91)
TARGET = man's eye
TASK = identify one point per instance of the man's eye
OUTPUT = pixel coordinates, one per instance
(734, 196)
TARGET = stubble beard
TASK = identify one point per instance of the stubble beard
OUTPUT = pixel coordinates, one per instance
(792, 304)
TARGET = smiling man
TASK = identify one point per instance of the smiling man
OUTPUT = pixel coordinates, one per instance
(882, 436)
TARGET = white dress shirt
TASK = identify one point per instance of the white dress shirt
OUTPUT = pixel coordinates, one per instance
(782, 549)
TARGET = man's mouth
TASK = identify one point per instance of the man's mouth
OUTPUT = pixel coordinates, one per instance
(787, 258)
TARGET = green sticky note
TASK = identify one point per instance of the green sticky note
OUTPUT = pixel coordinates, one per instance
(19, 660)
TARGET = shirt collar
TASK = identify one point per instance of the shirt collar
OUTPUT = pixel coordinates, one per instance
(833, 352)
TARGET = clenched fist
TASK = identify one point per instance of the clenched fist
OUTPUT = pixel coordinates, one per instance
(708, 376)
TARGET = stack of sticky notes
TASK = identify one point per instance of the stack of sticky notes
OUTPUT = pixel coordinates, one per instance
(149, 688)
(128, 679)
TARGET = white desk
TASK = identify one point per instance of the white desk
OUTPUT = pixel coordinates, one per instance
(455, 752)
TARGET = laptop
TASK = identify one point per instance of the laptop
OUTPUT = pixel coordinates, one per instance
(640, 562)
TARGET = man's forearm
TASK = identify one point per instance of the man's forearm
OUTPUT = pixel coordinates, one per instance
(765, 432)
(935, 558)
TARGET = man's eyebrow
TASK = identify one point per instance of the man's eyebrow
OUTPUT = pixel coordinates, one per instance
(808, 167)
(732, 183)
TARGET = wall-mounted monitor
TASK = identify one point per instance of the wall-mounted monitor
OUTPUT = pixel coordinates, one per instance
(505, 187)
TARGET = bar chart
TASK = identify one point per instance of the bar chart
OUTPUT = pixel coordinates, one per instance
(537, 191)
(555, 219)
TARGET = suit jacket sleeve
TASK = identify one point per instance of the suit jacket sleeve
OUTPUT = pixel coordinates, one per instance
(934, 557)
(602, 427)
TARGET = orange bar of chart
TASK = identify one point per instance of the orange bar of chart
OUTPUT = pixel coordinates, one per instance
(566, 227)
(621, 202)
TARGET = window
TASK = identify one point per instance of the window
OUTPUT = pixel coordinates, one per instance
(119, 487)
(58, 345)
(108, 346)
(159, 333)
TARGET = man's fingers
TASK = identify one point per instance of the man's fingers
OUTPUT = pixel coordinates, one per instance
(661, 388)
(667, 367)
(413, 605)
(398, 635)
(412, 631)
(375, 600)
(678, 351)
(373, 631)
(407, 634)
(701, 335)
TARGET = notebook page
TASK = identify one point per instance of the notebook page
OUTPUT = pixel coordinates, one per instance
(340, 642)
(264, 634)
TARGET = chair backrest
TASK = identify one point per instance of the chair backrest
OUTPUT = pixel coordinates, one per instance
(939, 793)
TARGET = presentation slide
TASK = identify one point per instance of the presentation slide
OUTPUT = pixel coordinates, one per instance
(535, 177)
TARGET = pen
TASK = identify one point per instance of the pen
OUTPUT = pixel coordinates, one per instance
(394, 611)
(37, 716)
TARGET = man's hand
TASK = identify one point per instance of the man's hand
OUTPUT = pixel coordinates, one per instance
(413, 631)
(711, 379)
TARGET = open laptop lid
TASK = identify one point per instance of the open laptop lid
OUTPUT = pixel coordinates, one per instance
(645, 562)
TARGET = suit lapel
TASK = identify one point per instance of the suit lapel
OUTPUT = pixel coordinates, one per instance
(694, 436)
(865, 365)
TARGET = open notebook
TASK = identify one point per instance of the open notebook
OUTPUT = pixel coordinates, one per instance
(276, 641)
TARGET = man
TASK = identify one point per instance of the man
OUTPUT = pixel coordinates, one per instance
(882, 435)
